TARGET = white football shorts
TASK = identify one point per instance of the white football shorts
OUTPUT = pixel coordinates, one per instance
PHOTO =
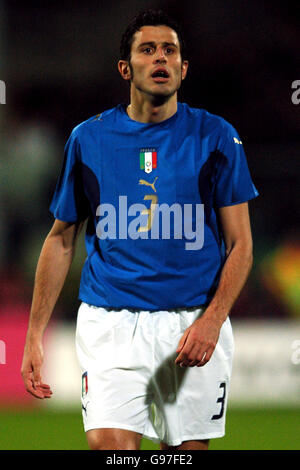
(130, 381)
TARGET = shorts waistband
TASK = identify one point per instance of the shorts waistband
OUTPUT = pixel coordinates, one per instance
(136, 310)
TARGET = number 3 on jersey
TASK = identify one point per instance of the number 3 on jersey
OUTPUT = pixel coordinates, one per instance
(149, 212)
(221, 400)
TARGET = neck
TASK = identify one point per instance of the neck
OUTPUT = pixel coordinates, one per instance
(152, 110)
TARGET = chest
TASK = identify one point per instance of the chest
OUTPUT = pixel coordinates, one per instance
(165, 166)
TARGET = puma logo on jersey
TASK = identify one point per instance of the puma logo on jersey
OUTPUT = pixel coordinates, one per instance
(237, 141)
(146, 183)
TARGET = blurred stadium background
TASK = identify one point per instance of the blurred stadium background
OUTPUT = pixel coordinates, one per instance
(58, 62)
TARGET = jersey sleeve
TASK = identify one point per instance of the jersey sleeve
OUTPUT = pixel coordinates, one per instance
(69, 202)
(233, 183)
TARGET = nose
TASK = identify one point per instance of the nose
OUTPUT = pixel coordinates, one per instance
(159, 55)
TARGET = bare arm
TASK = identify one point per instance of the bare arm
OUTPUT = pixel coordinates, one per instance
(199, 341)
(52, 269)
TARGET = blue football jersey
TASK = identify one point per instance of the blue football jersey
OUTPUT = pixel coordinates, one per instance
(151, 193)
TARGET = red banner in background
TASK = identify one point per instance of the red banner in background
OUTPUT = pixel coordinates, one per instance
(13, 328)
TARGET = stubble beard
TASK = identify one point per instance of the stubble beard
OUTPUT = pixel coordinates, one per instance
(157, 99)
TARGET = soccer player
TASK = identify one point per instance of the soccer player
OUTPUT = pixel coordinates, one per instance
(165, 189)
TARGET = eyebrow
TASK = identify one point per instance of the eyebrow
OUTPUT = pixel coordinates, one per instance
(151, 43)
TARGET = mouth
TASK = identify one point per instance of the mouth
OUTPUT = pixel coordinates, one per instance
(160, 75)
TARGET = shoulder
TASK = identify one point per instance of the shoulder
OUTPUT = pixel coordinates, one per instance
(94, 123)
(209, 122)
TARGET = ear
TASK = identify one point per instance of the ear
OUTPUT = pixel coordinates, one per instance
(124, 69)
(184, 68)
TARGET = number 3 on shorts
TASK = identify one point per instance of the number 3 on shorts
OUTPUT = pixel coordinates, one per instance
(222, 401)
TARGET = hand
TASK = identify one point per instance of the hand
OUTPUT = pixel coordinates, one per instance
(31, 371)
(198, 342)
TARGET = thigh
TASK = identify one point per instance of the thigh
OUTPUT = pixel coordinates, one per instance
(190, 402)
(113, 439)
(114, 357)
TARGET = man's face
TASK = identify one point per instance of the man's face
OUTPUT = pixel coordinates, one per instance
(156, 66)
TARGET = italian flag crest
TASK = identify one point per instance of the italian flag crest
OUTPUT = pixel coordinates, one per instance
(84, 388)
(148, 160)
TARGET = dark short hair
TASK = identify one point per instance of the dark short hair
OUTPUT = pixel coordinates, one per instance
(149, 18)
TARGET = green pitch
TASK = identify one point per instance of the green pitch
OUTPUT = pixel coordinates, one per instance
(247, 429)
